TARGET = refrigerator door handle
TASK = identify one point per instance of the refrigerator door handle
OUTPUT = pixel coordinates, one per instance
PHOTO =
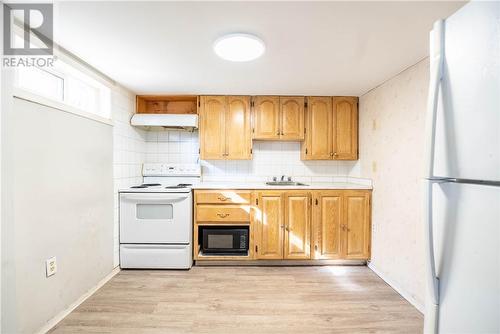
(430, 264)
(436, 72)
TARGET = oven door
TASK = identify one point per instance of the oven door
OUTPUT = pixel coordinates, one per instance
(155, 218)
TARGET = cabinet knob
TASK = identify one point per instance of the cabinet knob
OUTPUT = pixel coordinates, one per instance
(277, 133)
(223, 215)
(315, 247)
(222, 198)
(335, 154)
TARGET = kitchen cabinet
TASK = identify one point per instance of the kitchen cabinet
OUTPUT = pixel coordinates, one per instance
(292, 118)
(225, 128)
(297, 225)
(278, 118)
(356, 225)
(327, 219)
(269, 219)
(331, 129)
(345, 128)
(266, 117)
(318, 140)
(290, 224)
(284, 225)
(222, 209)
(166, 104)
(212, 127)
(341, 224)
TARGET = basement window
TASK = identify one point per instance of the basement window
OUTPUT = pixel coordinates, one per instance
(67, 86)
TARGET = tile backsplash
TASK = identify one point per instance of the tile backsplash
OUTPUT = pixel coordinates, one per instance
(270, 158)
(129, 148)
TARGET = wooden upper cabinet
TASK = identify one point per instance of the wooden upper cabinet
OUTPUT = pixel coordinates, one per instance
(278, 118)
(292, 118)
(297, 225)
(266, 119)
(318, 140)
(331, 129)
(356, 225)
(327, 220)
(345, 126)
(225, 129)
(212, 127)
(238, 128)
(269, 230)
(166, 104)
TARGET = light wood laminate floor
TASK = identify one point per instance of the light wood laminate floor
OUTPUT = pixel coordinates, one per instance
(333, 299)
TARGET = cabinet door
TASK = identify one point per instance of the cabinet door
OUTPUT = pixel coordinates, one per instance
(356, 225)
(297, 225)
(238, 129)
(345, 128)
(318, 143)
(266, 120)
(269, 240)
(292, 118)
(327, 218)
(212, 127)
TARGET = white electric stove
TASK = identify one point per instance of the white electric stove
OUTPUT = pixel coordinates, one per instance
(156, 218)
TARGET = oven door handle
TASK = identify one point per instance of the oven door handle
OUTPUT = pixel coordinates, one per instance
(153, 197)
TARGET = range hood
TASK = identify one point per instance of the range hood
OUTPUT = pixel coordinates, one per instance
(173, 121)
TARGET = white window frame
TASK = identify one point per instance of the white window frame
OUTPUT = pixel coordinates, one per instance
(85, 74)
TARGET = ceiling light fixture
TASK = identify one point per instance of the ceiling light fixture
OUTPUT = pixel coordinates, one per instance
(239, 47)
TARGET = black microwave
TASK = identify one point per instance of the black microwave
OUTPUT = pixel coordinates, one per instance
(224, 240)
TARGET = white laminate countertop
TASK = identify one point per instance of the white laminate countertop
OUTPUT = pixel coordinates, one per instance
(262, 185)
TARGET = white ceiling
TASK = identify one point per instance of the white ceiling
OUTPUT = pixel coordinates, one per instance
(320, 48)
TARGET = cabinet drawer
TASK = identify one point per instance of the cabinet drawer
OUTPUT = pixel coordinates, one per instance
(223, 197)
(222, 213)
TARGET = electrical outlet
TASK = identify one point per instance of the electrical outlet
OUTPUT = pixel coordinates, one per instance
(51, 266)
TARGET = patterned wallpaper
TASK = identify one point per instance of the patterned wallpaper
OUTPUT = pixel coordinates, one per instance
(392, 121)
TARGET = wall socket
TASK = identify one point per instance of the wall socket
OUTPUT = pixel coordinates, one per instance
(51, 266)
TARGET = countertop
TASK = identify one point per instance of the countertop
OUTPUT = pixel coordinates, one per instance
(262, 185)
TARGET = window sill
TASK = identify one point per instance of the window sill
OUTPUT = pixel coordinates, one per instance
(29, 96)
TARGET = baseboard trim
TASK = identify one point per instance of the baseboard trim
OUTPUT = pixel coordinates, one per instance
(420, 307)
(287, 263)
(55, 320)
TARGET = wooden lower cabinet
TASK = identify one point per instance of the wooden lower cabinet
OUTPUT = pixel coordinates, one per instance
(327, 219)
(297, 225)
(291, 224)
(284, 225)
(269, 230)
(341, 224)
(356, 228)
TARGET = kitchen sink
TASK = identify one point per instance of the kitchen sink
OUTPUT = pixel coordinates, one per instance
(285, 183)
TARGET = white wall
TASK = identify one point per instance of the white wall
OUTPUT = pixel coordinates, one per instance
(57, 201)
(392, 121)
(272, 158)
(129, 149)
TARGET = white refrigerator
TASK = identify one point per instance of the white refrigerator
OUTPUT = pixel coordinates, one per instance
(462, 183)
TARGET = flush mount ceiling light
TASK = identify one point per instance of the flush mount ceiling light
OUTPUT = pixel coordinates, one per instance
(239, 47)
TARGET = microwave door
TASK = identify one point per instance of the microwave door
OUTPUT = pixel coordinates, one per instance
(226, 241)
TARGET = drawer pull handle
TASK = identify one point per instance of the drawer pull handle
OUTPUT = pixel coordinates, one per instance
(223, 215)
(222, 198)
